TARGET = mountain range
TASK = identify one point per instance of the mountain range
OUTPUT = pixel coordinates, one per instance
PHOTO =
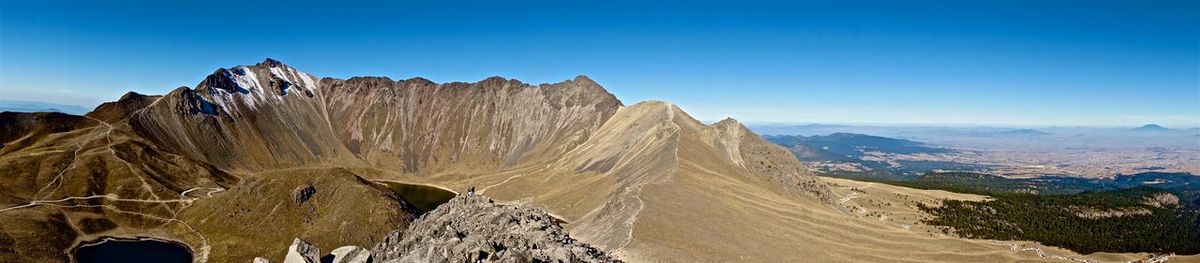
(256, 156)
(33, 106)
(850, 145)
(1150, 128)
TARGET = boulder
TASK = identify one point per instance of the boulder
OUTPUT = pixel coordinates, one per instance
(350, 254)
(302, 252)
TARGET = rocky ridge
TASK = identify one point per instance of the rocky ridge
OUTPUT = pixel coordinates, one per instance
(468, 228)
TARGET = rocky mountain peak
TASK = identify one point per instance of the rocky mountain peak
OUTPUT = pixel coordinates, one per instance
(419, 81)
(585, 81)
(114, 111)
(271, 63)
(131, 95)
(247, 88)
(495, 81)
(1151, 128)
(728, 122)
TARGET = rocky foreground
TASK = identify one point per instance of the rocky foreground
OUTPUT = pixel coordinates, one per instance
(468, 228)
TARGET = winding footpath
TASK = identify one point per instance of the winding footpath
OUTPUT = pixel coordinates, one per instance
(184, 201)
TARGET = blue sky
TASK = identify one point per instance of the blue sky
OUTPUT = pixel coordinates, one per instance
(1017, 63)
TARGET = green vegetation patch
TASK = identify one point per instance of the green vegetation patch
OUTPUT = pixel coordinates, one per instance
(1130, 220)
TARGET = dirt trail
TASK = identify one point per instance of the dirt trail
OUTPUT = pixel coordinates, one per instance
(56, 183)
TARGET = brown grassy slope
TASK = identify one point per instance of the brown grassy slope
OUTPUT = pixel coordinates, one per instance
(654, 185)
(19, 130)
(117, 111)
(601, 186)
(60, 188)
(327, 207)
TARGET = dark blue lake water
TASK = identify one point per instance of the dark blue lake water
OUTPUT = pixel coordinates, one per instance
(128, 250)
(425, 198)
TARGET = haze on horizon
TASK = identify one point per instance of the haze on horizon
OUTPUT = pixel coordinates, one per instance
(1016, 63)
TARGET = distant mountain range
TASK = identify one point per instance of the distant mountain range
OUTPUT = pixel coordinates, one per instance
(1021, 132)
(1151, 127)
(840, 146)
(1155, 128)
(905, 132)
(856, 148)
(33, 106)
(1150, 135)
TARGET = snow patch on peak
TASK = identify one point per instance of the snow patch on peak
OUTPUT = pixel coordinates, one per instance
(246, 79)
(249, 89)
(294, 78)
(269, 62)
(281, 74)
(308, 81)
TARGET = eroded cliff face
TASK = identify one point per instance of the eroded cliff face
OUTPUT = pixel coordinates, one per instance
(271, 116)
(417, 126)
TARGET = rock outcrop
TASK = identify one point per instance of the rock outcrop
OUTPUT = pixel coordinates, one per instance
(473, 228)
(350, 254)
(302, 252)
(470, 228)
